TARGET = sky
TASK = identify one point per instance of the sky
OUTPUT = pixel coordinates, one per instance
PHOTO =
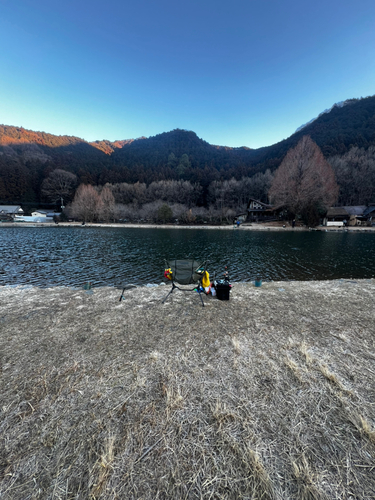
(237, 73)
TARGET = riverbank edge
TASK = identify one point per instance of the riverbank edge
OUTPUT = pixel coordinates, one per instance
(240, 286)
(243, 227)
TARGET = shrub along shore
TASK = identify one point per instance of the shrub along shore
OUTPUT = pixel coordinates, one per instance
(268, 395)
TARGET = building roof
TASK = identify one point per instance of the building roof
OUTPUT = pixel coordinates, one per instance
(44, 213)
(264, 205)
(337, 212)
(369, 210)
(10, 209)
(356, 210)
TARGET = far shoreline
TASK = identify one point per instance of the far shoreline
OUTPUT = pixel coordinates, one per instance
(242, 227)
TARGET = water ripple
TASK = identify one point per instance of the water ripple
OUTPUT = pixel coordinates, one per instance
(116, 256)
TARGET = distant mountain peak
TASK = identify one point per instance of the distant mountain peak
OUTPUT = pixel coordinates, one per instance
(108, 147)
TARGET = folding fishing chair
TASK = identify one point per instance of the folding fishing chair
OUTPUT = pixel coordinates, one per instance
(185, 272)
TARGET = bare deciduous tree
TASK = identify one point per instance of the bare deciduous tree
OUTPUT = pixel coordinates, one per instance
(305, 182)
(125, 212)
(173, 191)
(179, 211)
(59, 184)
(227, 198)
(149, 211)
(198, 214)
(86, 203)
(233, 194)
(125, 193)
(106, 207)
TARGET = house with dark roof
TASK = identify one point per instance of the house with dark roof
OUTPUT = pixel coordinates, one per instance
(9, 212)
(336, 216)
(38, 216)
(356, 217)
(257, 210)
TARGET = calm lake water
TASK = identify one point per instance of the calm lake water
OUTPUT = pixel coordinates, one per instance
(117, 256)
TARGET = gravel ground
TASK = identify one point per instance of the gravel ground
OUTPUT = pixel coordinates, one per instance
(268, 395)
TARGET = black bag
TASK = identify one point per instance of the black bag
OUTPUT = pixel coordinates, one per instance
(222, 288)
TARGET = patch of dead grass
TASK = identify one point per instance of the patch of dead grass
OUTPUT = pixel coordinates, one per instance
(237, 400)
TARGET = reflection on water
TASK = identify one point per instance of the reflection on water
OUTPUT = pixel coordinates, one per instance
(115, 256)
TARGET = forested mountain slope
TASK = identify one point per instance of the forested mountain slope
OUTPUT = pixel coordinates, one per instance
(27, 157)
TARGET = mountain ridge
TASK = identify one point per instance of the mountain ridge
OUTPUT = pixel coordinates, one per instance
(27, 157)
(14, 135)
(339, 104)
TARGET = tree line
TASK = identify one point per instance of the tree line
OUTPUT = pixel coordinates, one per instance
(355, 174)
(161, 201)
(304, 185)
(27, 157)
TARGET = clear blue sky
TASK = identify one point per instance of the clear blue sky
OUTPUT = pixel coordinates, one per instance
(238, 73)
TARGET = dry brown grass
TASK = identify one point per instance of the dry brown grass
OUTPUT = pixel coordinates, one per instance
(267, 396)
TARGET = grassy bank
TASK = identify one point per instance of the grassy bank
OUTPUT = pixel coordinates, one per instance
(269, 395)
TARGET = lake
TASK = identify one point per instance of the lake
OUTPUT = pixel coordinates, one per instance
(71, 256)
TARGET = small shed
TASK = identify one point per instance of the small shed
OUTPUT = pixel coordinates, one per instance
(42, 213)
(336, 216)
